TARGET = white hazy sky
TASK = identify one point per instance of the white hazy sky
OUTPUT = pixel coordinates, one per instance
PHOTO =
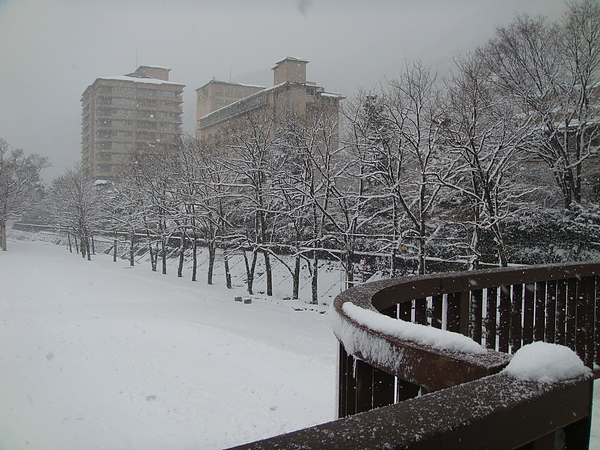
(50, 51)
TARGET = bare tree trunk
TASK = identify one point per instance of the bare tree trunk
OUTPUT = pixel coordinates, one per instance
(250, 268)
(115, 250)
(88, 248)
(194, 258)
(211, 260)
(181, 255)
(152, 251)
(3, 232)
(227, 271)
(70, 245)
(349, 268)
(314, 281)
(296, 279)
(474, 260)
(164, 256)
(268, 272)
(421, 255)
(132, 249)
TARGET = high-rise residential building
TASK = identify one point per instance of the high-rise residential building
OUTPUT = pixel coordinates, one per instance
(126, 114)
(219, 102)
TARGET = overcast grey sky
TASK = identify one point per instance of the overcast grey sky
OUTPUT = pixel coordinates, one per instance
(50, 51)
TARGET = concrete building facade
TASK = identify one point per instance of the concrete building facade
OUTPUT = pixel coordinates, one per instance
(219, 103)
(126, 114)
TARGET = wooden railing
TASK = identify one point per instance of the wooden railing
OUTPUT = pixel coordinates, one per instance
(470, 403)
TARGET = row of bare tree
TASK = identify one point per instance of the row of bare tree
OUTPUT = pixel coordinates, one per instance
(419, 168)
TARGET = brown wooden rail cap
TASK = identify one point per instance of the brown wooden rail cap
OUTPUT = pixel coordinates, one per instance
(495, 412)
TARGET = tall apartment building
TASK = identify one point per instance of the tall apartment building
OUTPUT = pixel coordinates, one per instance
(134, 112)
(218, 102)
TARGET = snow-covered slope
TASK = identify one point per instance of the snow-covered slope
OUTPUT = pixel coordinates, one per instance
(100, 355)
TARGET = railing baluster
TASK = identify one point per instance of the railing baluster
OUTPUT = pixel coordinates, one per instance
(585, 320)
(551, 299)
(404, 311)
(596, 319)
(571, 329)
(490, 322)
(406, 390)
(561, 309)
(528, 313)
(347, 384)
(464, 312)
(453, 319)
(476, 315)
(540, 310)
(516, 315)
(421, 311)
(504, 322)
(364, 386)
(436, 311)
(383, 389)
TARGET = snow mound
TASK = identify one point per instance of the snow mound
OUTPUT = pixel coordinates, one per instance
(546, 363)
(433, 337)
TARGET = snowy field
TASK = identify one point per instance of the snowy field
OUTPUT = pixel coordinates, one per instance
(98, 355)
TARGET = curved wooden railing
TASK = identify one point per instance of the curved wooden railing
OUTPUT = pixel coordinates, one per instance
(470, 400)
(502, 309)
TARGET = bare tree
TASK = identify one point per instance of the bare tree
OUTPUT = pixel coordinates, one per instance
(19, 184)
(486, 140)
(249, 151)
(550, 71)
(307, 145)
(75, 206)
(399, 131)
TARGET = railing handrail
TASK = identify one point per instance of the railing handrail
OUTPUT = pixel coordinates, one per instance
(385, 295)
(375, 294)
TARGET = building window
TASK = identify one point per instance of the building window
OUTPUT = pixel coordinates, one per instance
(146, 103)
(122, 101)
(146, 114)
(146, 124)
(121, 89)
(146, 92)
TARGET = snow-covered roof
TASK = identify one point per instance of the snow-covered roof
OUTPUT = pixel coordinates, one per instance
(249, 97)
(154, 67)
(232, 84)
(291, 58)
(140, 80)
(331, 94)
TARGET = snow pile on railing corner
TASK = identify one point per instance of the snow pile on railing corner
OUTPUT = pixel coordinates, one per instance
(546, 363)
(355, 339)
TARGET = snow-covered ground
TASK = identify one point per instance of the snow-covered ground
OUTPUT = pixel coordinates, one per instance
(100, 355)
